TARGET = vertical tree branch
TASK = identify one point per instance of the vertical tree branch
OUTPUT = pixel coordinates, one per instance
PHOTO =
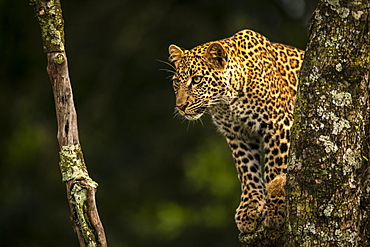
(80, 187)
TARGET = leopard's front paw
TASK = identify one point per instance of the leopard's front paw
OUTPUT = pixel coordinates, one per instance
(274, 212)
(248, 215)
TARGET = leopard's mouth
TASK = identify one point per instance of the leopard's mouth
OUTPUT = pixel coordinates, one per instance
(192, 114)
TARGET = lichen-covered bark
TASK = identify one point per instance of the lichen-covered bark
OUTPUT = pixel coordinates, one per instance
(80, 187)
(49, 15)
(328, 175)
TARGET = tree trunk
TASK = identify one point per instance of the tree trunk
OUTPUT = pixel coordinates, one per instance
(328, 176)
(80, 187)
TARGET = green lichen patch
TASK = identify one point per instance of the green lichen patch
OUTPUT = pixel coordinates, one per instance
(49, 15)
(78, 197)
(60, 59)
(72, 164)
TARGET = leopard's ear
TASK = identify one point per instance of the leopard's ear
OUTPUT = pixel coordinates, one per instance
(216, 55)
(176, 53)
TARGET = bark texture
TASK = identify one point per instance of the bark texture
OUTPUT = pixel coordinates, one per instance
(80, 187)
(328, 175)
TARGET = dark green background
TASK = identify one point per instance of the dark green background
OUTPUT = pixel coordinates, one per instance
(163, 181)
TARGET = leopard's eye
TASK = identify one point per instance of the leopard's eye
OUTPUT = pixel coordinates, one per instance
(196, 79)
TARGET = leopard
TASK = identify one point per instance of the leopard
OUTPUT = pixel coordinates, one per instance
(248, 85)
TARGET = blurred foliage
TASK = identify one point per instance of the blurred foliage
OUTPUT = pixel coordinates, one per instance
(163, 181)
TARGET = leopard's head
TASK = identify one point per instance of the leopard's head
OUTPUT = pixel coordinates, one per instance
(200, 79)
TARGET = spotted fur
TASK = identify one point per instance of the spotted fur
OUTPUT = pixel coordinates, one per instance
(248, 85)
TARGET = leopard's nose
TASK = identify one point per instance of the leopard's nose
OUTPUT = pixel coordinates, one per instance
(182, 107)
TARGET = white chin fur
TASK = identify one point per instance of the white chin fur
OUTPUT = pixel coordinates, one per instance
(193, 117)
